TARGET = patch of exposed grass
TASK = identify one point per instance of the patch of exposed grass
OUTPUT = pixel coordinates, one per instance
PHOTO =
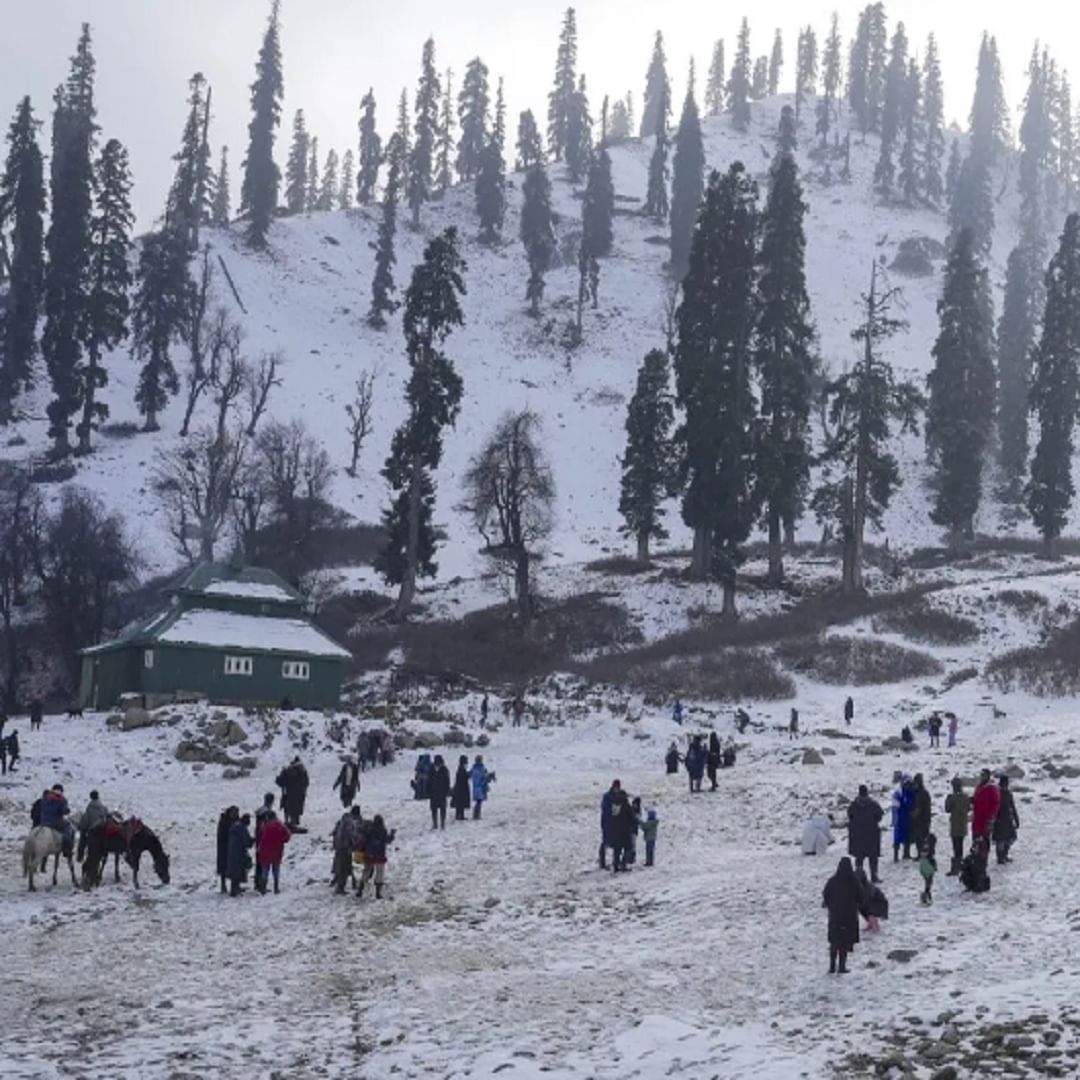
(1050, 669)
(928, 625)
(851, 661)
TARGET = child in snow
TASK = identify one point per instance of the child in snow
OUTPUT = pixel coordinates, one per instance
(928, 866)
(873, 903)
(649, 828)
(973, 875)
(630, 855)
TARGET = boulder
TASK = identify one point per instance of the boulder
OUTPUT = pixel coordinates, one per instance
(482, 740)
(875, 751)
(1013, 771)
(229, 732)
(812, 757)
(427, 740)
(234, 774)
(455, 737)
(902, 956)
(135, 718)
(114, 721)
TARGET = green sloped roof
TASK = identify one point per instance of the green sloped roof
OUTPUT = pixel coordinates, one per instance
(246, 582)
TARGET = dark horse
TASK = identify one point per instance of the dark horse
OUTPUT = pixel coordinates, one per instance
(130, 839)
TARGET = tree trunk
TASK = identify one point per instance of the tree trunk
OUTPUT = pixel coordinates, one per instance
(151, 422)
(89, 392)
(1048, 545)
(521, 586)
(643, 547)
(412, 550)
(206, 541)
(789, 533)
(776, 551)
(701, 562)
(728, 612)
(12, 648)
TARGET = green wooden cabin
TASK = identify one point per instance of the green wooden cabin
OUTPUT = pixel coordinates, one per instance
(231, 635)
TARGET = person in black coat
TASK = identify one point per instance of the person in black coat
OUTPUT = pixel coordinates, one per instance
(438, 790)
(671, 759)
(864, 831)
(849, 711)
(348, 780)
(460, 798)
(712, 761)
(229, 816)
(237, 859)
(293, 781)
(841, 897)
(921, 812)
(1006, 824)
(622, 830)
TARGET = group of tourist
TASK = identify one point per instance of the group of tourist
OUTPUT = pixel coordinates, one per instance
(471, 786)
(621, 820)
(701, 759)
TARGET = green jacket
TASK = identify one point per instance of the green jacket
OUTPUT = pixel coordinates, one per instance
(957, 806)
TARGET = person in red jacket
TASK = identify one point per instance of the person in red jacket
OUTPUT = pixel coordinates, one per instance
(985, 806)
(273, 836)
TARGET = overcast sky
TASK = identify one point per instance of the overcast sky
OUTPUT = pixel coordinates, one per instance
(334, 49)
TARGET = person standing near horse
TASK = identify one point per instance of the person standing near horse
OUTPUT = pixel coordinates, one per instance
(273, 837)
(348, 780)
(55, 812)
(864, 831)
(229, 816)
(93, 817)
(293, 781)
(438, 789)
(238, 860)
(460, 799)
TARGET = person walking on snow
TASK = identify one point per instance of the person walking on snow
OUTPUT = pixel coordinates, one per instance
(622, 831)
(902, 802)
(957, 806)
(928, 866)
(1007, 822)
(438, 792)
(793, 725)
(954, 725)
(672, 759)
(376, 842)
(459, 799)
(293, 781)
(864, 831)
(649, 828)
(677, 712)
(229, 816)
(849, 711)
(262, 816)
(713, 758)
(273, 837)
(985, 807)
(348, 780)
(607, 809)
(695, 763)
(346, 839)
(933, 725)
(922, 810)
(481, 780)
(841, 899)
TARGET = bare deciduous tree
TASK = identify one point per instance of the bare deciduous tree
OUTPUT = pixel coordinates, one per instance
(510, 492)
(261, 380)
(359, 413)
(198, 376)
(19, 507)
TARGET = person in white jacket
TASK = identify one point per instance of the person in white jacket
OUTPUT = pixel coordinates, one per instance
(817, 835)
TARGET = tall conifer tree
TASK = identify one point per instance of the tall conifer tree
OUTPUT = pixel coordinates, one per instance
(530, 149)
(578, 134)
(491, 193)
(738, 88)
(444, 144)
(474, 118)
(188, 202)
(687, 184)
(562, 93)
(348, 181)
(221, 208)
(896, 84)
(259, 193)
(296, 168)
(715, 88)
(934, 113)
(776, 63)
(656, 195)
(422, 157)
(382, 285)
(990, 131)
(657, 88)
(537, 233)
(369, 157)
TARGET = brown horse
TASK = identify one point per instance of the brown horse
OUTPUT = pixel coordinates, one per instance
(130, 840)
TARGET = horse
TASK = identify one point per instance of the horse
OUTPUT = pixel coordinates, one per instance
(39, 845)
(130, 840)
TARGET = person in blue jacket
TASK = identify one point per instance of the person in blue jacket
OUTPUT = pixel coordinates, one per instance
(607, 805)
(902, 802)
(54, 813)
(481, 780)
(695, 763)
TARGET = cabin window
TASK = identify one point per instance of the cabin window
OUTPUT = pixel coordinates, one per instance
(237, 665)
(296, 669)
(148, 658)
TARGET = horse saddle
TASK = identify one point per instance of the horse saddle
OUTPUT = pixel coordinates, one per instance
(113, 828)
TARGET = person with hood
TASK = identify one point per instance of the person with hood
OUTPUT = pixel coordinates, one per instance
(873, 903)
(438, 788)
(273, 836)
(985, 807)
(672, 759)
(420, 777)
(229, 816)
(622, 831)
(973, 875)
(922, 810)
(607, 809)
(55, 812)
(902, 801)
(906, 736)
(481, 781)
(1007, 822)
(238, 860)
(742, 721)
(841, 898)
(649, 828)
(35, 809)
(712, 759)
(376, 841)
(958, 807)
(933, 726)
(864, 831)
(293, 781)
(346, 837)
(459, 798)
(262, 815)
(93, 817)
(695, 763)
(817, 835)
(348, 780)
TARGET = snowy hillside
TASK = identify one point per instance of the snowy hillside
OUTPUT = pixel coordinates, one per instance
(308, 298)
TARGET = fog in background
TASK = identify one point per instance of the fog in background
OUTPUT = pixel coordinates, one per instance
(333, 50)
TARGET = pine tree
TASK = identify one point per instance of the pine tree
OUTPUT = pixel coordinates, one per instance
(1016, 338)
(861, 473)
(561, 97)
(1036, 147)
(369, 154)
(221, 209)
(491, 193)
(22, 206)
(648, 466)
(896, 84)
(715, 92)
(806, 72)
(687, 186)
(972, 205)
(498, 131)
(159, 320)
(473, 119)
(989, 112)
(866, 68)
(827, 105)
(433, 396)
(530, 150)
(1055, 390)
(328, 189)
(68, 240)
(578, 134)
(1068, 162)
(422, 158)
(348, 181)
(934, 117)
(537, 232)
(959, 421)
(776, 63)
(107, 304)
(787, 136)
(759, 81)
(657, 89)
(382, 285)
(404, 130)
(444, 145)
(738, 88)
(598, 206)
(713, 379)
(912, 166)
(620, 128)
(952, 173)
(296, 168)
(311, 196)
(259, 194)
(656, 196)
(783, 357)
(188, 202)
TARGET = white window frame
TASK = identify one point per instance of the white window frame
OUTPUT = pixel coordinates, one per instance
(296, 669)
(148, 659)
(239, 665)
